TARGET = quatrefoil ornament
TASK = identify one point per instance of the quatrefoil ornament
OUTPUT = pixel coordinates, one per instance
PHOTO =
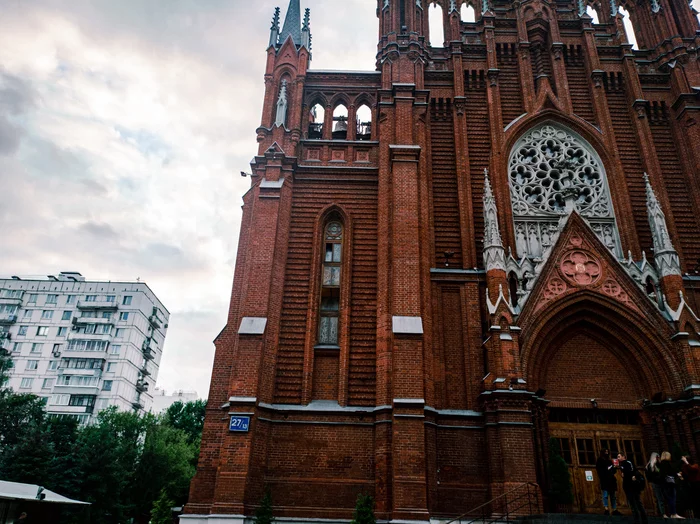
(581, 268)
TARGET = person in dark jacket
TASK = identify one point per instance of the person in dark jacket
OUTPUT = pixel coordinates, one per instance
(654, 478)
(608, 481)
(669, 477)
(691, 475)
(631, 489)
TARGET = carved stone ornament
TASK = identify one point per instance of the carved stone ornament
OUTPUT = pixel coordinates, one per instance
(655, 6)
(581, 268)
(552, 171)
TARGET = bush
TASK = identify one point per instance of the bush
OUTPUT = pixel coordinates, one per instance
(263, 515)
(364, 510)
(560, 487)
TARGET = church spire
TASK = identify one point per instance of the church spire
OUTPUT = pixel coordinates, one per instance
(292, 23)
(665, 255)
(494, 254)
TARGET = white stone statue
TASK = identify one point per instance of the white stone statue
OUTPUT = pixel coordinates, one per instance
(281, 118)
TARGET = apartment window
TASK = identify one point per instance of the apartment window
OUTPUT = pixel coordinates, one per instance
(53, 365)
(62, 331)
(90, 329)
(52, 299)
(28, 314)
(124, 315)
(70, 299)
(107, 385)
(42, 331)
(106, 314)
(127, 300)
(11, 293)
(115, 350)
(47, 314)
(56, 348)
(67, 315)
(60, 400)
(90, 298)
(104, 329)
(330, 285)
(32, 365)
(48, 383)
(110, 298)
(119, 333)
(111, 367)
(26, 383)
(88, 314)
(32, 298)
(82, 400)
(77, 380)
(37, 347)
(87, 345)
(23, 331)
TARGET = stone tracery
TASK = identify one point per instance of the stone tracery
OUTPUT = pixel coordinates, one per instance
(552, 172)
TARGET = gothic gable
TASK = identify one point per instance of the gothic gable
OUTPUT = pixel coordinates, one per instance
(580, 262)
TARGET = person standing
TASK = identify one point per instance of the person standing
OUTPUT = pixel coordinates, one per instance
(654, 478)
(608, 482)
(669, 478)
(630, 485)
(691, 475)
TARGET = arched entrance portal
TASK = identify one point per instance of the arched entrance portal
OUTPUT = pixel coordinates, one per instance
(595, 405)
(597, 362)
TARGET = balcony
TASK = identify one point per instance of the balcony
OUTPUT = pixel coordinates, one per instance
(57, 410)
(141, 386)
(81, 321)
(7, 318)
(80, 372)
(100, 303)
(144, 370)
(17, 301)
(137, 404)
(76, 390)
(148, 354)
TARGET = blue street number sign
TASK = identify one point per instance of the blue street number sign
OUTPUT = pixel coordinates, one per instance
(239, 423)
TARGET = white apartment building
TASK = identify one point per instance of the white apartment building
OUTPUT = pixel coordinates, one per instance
(82, 345)
(162, 401)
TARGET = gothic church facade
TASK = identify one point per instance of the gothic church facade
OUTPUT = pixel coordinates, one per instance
(462, 261)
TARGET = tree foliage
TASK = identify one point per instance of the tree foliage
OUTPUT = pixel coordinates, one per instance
(128, 465)
(364, 510)
(263, 515)
(560, 487)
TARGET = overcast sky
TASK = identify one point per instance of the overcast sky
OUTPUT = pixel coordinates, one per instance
(124, 125)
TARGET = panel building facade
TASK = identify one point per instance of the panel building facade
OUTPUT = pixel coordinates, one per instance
(503, 251)
(82, 345)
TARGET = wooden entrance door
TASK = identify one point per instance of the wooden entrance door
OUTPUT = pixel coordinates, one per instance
(582, 443)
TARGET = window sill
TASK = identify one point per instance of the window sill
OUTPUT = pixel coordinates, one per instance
(327, 347)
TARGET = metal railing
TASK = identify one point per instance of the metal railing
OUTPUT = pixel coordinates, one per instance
(521, 501)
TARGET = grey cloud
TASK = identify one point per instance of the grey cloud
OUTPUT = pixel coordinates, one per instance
(10, 136)
(101, 231)
(16, 94)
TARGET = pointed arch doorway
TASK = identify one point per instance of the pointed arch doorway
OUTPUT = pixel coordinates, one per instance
(595, 405)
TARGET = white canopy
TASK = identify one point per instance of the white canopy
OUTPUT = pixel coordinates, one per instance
(19, 491)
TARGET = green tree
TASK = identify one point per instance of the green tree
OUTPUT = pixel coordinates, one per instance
(165, 466)
(162, 509)
(263, 515)
(560, 487)
(364, 510)
(188, 417)
(109, 450)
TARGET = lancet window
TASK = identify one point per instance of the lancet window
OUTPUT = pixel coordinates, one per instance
(553, 171)
(330, 284)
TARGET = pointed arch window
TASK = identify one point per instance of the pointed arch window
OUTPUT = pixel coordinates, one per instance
(468, 13)
(328, 328)
(553, 171)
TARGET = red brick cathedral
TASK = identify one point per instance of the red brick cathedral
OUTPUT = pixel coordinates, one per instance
(479, 249)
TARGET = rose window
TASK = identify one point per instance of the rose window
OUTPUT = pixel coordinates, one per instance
(552, 170)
